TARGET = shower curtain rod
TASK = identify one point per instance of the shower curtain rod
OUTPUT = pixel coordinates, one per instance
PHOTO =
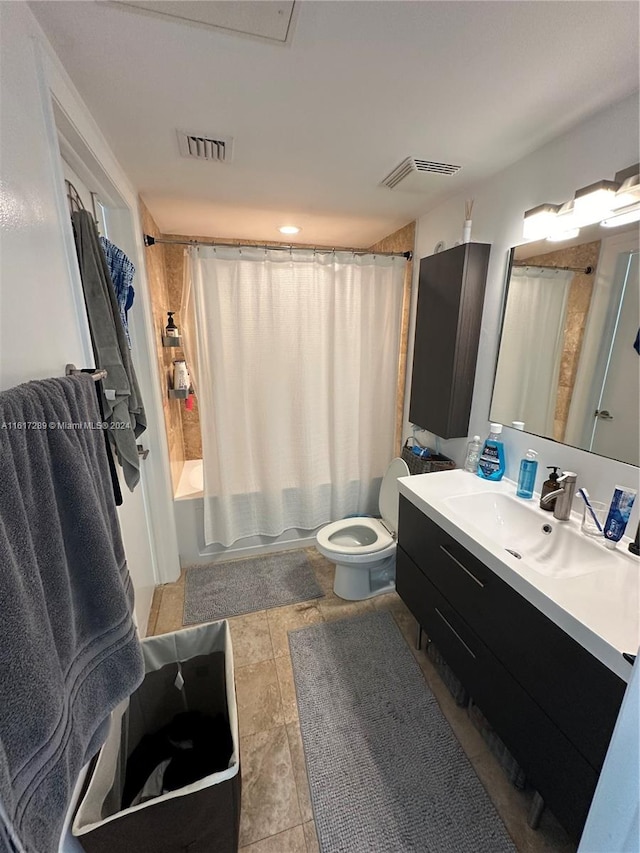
(584, 270)
(151, 241)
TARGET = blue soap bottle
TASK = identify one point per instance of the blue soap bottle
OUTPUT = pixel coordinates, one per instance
(492, 461)
(527, 476)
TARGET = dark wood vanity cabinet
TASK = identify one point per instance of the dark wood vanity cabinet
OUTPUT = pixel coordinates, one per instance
(553, 704)
(450, 301)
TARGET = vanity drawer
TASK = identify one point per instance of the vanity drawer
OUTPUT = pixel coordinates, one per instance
(580, 694)
(459, 576)
(553, 765)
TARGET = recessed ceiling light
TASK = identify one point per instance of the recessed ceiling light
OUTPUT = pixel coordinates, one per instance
(289, 229)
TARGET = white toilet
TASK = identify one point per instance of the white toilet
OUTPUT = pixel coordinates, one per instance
(364, 549)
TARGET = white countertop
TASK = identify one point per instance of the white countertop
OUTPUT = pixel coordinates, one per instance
(600, 610)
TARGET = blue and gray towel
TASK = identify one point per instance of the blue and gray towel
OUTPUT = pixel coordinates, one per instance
(122, 272)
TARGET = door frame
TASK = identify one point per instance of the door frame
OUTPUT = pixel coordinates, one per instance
(585, 395)
(88, 153)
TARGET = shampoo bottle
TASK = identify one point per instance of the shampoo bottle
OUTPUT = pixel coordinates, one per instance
(181, 379)
(549, 485)
(492, 462)
(527, 476)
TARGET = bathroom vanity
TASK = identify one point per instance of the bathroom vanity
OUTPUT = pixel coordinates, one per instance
(534, 633)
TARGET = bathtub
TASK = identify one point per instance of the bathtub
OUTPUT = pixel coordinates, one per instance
(191, 481)
(188, 507)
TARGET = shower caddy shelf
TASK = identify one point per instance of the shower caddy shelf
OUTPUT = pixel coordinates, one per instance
(171, 341)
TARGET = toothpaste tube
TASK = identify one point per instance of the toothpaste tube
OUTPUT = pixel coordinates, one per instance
(619, 513)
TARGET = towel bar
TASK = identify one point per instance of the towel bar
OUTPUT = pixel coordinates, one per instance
(70, 369)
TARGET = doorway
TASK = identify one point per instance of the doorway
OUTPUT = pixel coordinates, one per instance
(618, 404)
(133, 513)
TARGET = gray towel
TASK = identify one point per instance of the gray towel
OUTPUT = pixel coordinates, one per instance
(110, 347)
(69, 652)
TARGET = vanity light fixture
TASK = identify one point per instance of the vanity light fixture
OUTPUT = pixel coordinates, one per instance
(538, 220)
(595, 201)
(628, 193)
(611, 203)
(563, 235)
(289, 229)
(563, 221)
(623, 217)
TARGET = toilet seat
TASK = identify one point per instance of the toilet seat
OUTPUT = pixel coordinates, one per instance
(382, 542)
(382, 536)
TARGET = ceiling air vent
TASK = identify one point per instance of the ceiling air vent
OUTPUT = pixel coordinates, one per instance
(219, 149)
(411, 174)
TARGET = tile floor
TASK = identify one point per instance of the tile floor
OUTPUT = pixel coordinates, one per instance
(276, 806)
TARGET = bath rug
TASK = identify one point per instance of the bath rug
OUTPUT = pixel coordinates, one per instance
(221, 590)
(385, 769)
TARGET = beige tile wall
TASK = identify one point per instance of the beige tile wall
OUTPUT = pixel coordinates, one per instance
(190, 419)
(162, 302)
(577, 310)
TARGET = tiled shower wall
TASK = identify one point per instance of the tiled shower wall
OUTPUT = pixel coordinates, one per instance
(162, 301)
(175, 278)
(166, 274)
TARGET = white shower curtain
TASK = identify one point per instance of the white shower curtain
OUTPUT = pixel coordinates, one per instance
(526, 386)
(296, 369)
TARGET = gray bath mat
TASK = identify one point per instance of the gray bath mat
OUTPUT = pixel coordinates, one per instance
(244, 586)
(385, 770)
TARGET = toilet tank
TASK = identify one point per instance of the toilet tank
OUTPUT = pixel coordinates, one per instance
(389, 494)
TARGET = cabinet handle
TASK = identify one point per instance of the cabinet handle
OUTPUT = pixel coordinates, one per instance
(464, 568)
(453, 631)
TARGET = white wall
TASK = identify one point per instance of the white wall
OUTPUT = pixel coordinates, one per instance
(43, 323)
(595, 149)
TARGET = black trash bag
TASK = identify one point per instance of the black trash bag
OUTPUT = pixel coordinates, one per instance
(194, 744)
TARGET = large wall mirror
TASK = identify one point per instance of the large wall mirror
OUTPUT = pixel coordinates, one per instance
(569, 361)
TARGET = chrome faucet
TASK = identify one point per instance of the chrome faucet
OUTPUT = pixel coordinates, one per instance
(564, 496)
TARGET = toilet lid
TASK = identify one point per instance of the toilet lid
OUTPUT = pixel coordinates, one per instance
(388, 501)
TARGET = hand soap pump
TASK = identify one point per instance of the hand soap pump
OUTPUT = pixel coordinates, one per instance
(549, 485)
(527, 476)
(171, 330)
(492, 462)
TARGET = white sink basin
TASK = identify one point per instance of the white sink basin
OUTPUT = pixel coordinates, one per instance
(550, 547)
(589, 591)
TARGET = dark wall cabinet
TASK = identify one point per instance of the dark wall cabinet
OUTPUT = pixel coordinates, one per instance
(450, 300)
(553, 704)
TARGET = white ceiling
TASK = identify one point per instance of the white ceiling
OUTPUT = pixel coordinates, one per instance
(319, 122)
